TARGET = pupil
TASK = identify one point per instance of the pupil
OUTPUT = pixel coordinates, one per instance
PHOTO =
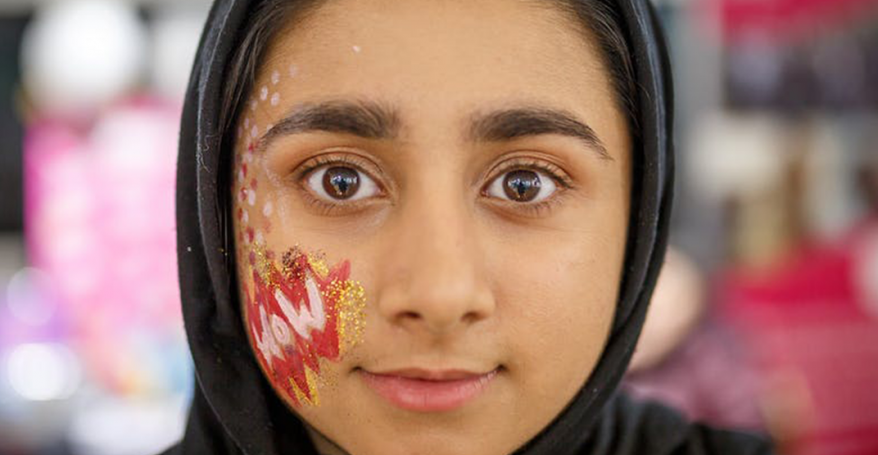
(341, 182)
(522, 186)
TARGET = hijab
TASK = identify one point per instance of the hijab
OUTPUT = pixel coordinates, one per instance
(234, 409)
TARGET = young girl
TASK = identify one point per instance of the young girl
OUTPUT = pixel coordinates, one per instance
(425, 227)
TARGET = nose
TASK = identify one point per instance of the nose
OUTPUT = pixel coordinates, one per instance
(434, 285)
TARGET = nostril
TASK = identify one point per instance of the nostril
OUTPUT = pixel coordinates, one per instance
(412, 315)
(472, 316)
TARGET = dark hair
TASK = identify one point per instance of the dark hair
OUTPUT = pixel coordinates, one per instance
(597, 17)
(604, 21)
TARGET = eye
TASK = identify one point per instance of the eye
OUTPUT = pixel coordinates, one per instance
(341, 183)
(522, 185)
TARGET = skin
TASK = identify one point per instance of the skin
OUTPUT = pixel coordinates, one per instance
(455, 276)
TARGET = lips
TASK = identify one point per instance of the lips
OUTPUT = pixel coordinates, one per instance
(422, 390)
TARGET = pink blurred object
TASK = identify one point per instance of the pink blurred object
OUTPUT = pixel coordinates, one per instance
(790, 19)
(708, 378)
(817, 339)
(99, 220)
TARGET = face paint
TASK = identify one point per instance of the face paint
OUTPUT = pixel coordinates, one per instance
(300, 313)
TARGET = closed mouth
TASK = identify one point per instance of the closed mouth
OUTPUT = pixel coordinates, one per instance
(426, 390)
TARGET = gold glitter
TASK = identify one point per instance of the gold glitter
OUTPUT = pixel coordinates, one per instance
(263, 265)
(312, 389)
(350, 303)
(318, 264)
(327, 379)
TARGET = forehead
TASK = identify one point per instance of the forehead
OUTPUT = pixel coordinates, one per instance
(439, 59)
(490, 46)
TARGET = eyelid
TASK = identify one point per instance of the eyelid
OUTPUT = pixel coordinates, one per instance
(561, 178)
(336, 158)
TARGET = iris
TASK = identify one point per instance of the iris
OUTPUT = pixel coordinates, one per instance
(341, 182)
(522, 185)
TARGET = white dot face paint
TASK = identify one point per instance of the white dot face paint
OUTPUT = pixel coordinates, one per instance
(275, 99)
(275, 77)
(294, 70)
(259, 238)
(251, 197)
(267, 209)
(254, 132)
(357, 49)
(253, 105)
(263, 93)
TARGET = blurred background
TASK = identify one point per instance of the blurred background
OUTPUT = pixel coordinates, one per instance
(92, 351)
(766, 316)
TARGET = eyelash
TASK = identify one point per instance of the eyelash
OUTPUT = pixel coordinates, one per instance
(562, 180)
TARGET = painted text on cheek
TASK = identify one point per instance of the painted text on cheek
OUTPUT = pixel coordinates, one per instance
(300, 313)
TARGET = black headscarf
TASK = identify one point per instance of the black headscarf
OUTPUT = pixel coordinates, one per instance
(235, 410)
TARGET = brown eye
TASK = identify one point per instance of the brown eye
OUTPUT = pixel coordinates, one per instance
(341, 182)
(522, 185)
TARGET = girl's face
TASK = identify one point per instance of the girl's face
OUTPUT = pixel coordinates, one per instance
(431, 206)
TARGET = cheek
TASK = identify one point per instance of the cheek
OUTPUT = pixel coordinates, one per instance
(563, 298)
(559, 308)
(300, 315)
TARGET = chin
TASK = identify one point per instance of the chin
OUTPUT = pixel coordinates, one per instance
(406, 433)
(430, 441)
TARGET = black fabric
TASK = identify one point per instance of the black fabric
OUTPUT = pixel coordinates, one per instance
(235, 411)
(628, 428)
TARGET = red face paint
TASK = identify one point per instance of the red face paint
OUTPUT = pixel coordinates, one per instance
(301, 313)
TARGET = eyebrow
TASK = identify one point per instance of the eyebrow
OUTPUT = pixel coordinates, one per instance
(509, 124)
(366, 119)
(372, 120)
